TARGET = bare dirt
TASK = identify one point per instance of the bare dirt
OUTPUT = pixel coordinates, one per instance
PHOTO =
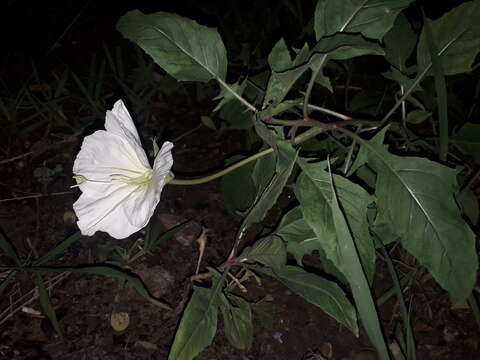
(84, 304)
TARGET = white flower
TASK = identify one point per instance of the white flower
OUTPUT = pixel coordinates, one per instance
(119, 188)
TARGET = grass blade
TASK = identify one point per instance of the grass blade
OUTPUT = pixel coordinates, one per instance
(47, 305)
(441, 89)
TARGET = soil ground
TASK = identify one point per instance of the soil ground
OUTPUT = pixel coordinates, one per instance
(84, 304)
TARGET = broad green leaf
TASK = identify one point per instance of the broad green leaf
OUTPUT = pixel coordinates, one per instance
(399, 43)
(467, 139)
(415, 199)
(301, 240)
(47, 305)
(198, 324)
(238, 322)
(269, 251)
(470, 205)
(440, 90)
(320, 292)
(99, 270)
(265, 312)
(352, 268)
(286, 156)
(372, 18)
(240, 178)
(236, 115)
(456, 37)
(418, 116)
(314, 192)
(180, 46)
(298, 236)
(279, 58)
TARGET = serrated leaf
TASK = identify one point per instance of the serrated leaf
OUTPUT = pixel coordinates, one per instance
(238, 201)
(467, 139)
(456, 37)
(238, 322)
(269, 251)
(320, 292)
(198, 324)
(183, 48)
(313, 190)
(372, 18)
(415, 199)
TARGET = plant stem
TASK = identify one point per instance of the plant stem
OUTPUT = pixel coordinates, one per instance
(309, 90)
(406, 94)
(238, 97)
(329, 112)
(297, 140)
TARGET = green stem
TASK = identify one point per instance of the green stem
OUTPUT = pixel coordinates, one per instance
(329, 112)
(222, 172)
(309, 89)
(297, 140)
(406, 94)
(238, 97)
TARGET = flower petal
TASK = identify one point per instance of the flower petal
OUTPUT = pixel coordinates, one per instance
(162, 165)
(106, 212)
(119, 122)
(104, 154)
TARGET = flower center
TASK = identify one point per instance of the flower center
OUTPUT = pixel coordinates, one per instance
(144, 179)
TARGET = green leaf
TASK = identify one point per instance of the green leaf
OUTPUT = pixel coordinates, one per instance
(183, 48)
(320, 292)
(270, 251)
(352, 268)
(286, 156)
(470, 205)
(279, 58)
(155, 237)
(297, 234)
(47, 305)
(314, 192)
(418, 116)
(467, 139)
(337, 47)
(441, 91)
(456, 37)
(341, 47)
(399, 43)
(430, 226)
(372, 18)
(235, 114)
(238, 201)
(237, 320)
(198, 325)
(265, 313)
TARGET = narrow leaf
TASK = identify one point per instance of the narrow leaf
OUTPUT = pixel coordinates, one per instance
(47, 305)
(353, 271)
(9, 250)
